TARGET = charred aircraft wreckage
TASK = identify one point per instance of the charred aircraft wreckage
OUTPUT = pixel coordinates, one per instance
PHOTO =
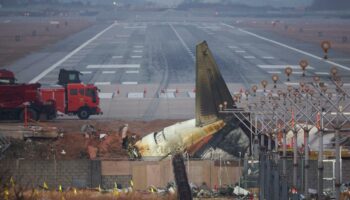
(211, 134)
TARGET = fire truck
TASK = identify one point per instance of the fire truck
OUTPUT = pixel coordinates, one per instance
(71, 96)
(18, 98)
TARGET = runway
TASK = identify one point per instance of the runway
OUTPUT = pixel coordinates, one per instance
(145, 68)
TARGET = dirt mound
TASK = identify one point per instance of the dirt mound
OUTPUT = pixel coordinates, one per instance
(104, 141)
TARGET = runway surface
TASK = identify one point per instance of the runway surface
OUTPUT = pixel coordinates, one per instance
(145, 67)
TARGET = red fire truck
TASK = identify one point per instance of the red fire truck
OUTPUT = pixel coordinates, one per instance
(15, 98)
(71, 96)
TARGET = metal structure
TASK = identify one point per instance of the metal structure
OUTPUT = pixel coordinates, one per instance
(316, 103)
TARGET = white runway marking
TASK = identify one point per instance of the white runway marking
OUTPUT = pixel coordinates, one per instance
(118, 66)
(138, 46)
(107, 95)
(182, 42)
(268, 57)
(249, 57)
(282, 66)
(232, 47)
(167, 95)
(48, 70)
(117, 57)
(108, 72)
(136, 56)
(132, 72)
(288, 47)
(129, 83)
(240, 51)
(274, 72)
(137, 51)
(86, 72)
(291, 83)
(102, 83)
(297, 72)
(136, 95)
(322, 73)
(191, 95)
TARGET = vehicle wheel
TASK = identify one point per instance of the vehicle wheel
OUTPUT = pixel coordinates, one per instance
(83, 113)
(31, 114)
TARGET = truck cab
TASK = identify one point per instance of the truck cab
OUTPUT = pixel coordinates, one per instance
(7, 77)
(82, 100)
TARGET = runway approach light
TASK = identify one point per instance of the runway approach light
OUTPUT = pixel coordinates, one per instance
(316, 79)
(254, 89)
(303, 64)
(275, 79)
(326, 45)
(288, 71)
(114, 3)
(334, 71)
(264, 84)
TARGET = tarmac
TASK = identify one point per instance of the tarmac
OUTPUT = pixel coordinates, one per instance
(144, 64)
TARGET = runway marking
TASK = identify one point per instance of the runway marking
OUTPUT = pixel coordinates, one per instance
(167, 95)
(108, 72)
(268, 57)
(191, 94)
(132, 72)
(274, 72)
(297, 72)
(249, 57)
(129, 83)
(136, 56)
(117, 66)
(281, 67)
(136, 95)
(232, 47)
(52, 67)
(182, 42)
(240, 51)
(117, 57)
(102, 83)
(289, 47)
(138, 46)
(106, 95)
(7, 21)
(137, 51)
(322, 73)
(86, 72)
(291, 83)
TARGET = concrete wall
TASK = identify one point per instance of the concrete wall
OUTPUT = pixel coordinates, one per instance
(148, 173)
(91, 173)
(76, 173)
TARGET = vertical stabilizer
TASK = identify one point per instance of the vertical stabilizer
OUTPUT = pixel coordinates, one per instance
(211, 89)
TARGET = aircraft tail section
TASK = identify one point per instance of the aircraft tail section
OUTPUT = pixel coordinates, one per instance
(211, 89)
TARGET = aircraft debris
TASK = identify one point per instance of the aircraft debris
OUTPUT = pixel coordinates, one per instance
(211, 92)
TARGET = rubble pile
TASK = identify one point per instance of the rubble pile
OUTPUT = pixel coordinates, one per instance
(89, 139)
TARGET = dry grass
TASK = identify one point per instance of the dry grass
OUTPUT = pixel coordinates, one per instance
(82, 195)
(19, 38)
